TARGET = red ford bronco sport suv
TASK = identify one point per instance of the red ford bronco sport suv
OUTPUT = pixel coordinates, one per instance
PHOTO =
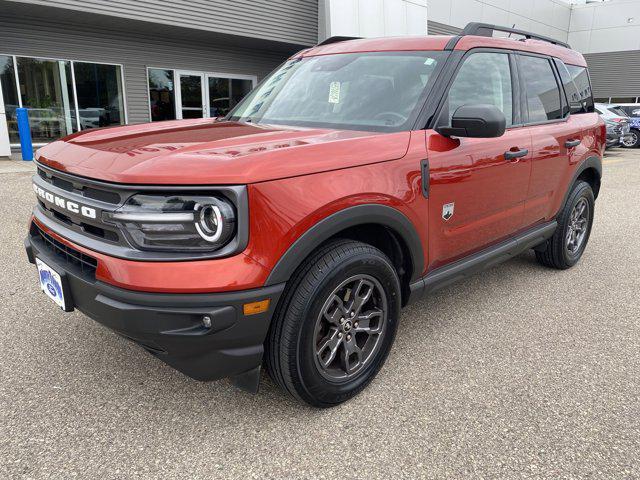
(356, 178)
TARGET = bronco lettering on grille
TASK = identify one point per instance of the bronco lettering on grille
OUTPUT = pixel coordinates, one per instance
(62, 202)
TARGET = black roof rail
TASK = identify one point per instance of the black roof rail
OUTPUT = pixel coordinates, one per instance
(336, 40)
(486, 30)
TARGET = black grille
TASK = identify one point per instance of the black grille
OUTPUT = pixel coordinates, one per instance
(79, 187)
(84, 263)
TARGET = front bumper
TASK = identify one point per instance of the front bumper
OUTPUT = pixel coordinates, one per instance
(170, 326)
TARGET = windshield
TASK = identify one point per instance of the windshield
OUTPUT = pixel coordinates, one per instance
(379, 91)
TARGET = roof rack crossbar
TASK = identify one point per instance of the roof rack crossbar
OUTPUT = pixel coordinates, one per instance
(486, 30)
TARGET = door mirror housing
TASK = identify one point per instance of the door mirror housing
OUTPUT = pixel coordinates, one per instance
(475, 121)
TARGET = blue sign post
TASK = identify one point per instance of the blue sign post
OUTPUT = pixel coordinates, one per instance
(24, 130)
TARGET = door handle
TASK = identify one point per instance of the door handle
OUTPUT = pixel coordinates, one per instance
(513, 154)
(571, 143)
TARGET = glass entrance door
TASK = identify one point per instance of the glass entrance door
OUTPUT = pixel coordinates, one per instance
(190, 98)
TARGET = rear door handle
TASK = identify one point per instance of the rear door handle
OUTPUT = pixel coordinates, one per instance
(513, 154)
(571, 143)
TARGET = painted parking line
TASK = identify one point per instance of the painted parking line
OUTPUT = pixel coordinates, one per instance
(612, 161)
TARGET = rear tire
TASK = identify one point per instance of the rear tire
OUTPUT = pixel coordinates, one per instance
(335, 326)
(566, 246)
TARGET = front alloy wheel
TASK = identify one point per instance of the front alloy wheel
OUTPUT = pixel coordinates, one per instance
(349, 327)
(335, 324)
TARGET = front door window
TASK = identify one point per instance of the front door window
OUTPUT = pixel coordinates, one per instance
(484, 78)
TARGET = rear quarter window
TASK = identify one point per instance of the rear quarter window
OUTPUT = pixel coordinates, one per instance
(577, 87)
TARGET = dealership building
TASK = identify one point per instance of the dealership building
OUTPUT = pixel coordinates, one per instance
(81, 64)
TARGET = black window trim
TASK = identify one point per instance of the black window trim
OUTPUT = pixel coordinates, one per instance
(448, 82)
(566, 104)
(525, 112)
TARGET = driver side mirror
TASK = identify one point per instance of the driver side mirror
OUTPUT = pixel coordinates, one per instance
(475, 121)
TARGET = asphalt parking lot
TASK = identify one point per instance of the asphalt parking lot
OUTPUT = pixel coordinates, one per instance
(518, 372)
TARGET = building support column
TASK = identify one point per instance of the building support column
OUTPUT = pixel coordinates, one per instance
(5, 147)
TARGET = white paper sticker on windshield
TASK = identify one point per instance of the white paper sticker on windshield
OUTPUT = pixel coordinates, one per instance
(429, 61)
(334, 92)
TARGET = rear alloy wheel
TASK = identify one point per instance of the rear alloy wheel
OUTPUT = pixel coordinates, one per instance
(566, 246)
(335, 324)
(577, 228)
(632, 140)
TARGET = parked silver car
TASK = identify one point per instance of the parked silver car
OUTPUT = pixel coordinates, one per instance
(617, 122)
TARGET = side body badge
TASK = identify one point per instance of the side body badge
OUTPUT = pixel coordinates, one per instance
(447, 210)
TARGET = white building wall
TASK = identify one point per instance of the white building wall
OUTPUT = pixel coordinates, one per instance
(605, 27)
(544, 17)
(372, 18)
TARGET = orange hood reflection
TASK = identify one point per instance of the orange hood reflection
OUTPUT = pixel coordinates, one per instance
(204, 151)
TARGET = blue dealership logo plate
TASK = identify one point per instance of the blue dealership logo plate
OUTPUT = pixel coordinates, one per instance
(51, 283)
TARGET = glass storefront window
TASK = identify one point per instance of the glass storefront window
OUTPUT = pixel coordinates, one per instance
(100, 94)
(46, 89)
(225, 93)
(9, 90)
(49, 89)
(239, 90)
(161, 94)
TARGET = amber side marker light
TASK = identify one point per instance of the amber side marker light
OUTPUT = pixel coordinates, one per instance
(256, 307)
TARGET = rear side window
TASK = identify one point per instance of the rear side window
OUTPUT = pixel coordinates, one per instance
(632, 111)
(541, 89)
(483, 78)
(618, 111)
(577, 87)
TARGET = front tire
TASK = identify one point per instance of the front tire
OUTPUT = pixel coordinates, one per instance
(336, 324)
(566, 246)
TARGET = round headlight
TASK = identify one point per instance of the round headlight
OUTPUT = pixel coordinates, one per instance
(209, 222)
(195, 223)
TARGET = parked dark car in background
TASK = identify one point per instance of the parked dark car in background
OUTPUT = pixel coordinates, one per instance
(632, 140)
(617, 122)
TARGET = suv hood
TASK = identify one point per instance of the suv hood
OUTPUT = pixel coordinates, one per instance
(207, 152)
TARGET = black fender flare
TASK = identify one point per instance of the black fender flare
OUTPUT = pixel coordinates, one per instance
(349, 217)
(590, 162)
